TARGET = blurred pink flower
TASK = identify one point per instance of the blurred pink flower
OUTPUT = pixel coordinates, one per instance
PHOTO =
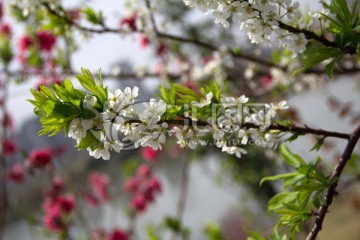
(47, 40)
(16, 173)
(148, 154)
(99, 183)
(39, 158)
(143, 171)
(53, 220)
(9, 147)
(129, 22)
(118, 234)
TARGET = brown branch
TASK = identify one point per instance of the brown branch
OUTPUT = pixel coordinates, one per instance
(120, 76)
(335, 175)
(293, 128)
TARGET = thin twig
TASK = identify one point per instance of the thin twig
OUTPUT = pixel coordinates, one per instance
(184, 187)
(335, 175)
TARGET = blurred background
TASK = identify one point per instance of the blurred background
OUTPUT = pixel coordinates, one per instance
(201, 187)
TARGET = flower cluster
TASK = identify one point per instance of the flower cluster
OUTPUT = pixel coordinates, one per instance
(98, 183)
(143, 187)
(57, 207)
(260, 19)
(107, 121)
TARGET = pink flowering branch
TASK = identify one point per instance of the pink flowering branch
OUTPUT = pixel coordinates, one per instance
(335, 175)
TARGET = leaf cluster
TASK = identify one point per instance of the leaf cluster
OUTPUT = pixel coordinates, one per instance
(303, 191)
(58, 105)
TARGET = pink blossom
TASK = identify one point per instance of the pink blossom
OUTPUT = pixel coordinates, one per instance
(138, 203)
(162, 49)
(9, 147)
(39, 158)
(143, 171)
(24, 43)
(266, 81)
(144, 41)
(53, 220)
(46, 40)
(66, 203)
(74, 14)
(16, 173)
(8, 121)
(129, 22)
(118, 234)
(5, 30)
(155, 184)
(149, 154)
(131, 185)
(99, 183)
(148, 194)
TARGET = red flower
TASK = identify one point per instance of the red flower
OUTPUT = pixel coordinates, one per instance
(24, 43)
(99, 183)
(132, 185)
(138, 203)
(9, 147)
(143, 171)
(149, 154)
(129, 22)
(5, 30)
(52, 220)
(8, 122)
(16, 173)
(162, 49)
(46, 40)
(57, 187)
(39, 158)
(118, 234)
(66, 203)
(148, 194)
(155, 185)
(144, 41)
(74, 14)
(266, 81)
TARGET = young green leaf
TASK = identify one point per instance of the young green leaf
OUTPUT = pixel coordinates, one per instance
(291, 158)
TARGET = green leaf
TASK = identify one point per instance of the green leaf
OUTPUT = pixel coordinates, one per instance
(291, 158)
(315, 54)
(92, 17)
(318, 144)
(280, 199)
(68, 86)
(87, 114)
(173, 224)
(253, 235)
(86, 79)
(88, 141)
(213, 232)
(329, 68)
(184, 90)
(150, 233)
(341, 10)
(279, 176)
